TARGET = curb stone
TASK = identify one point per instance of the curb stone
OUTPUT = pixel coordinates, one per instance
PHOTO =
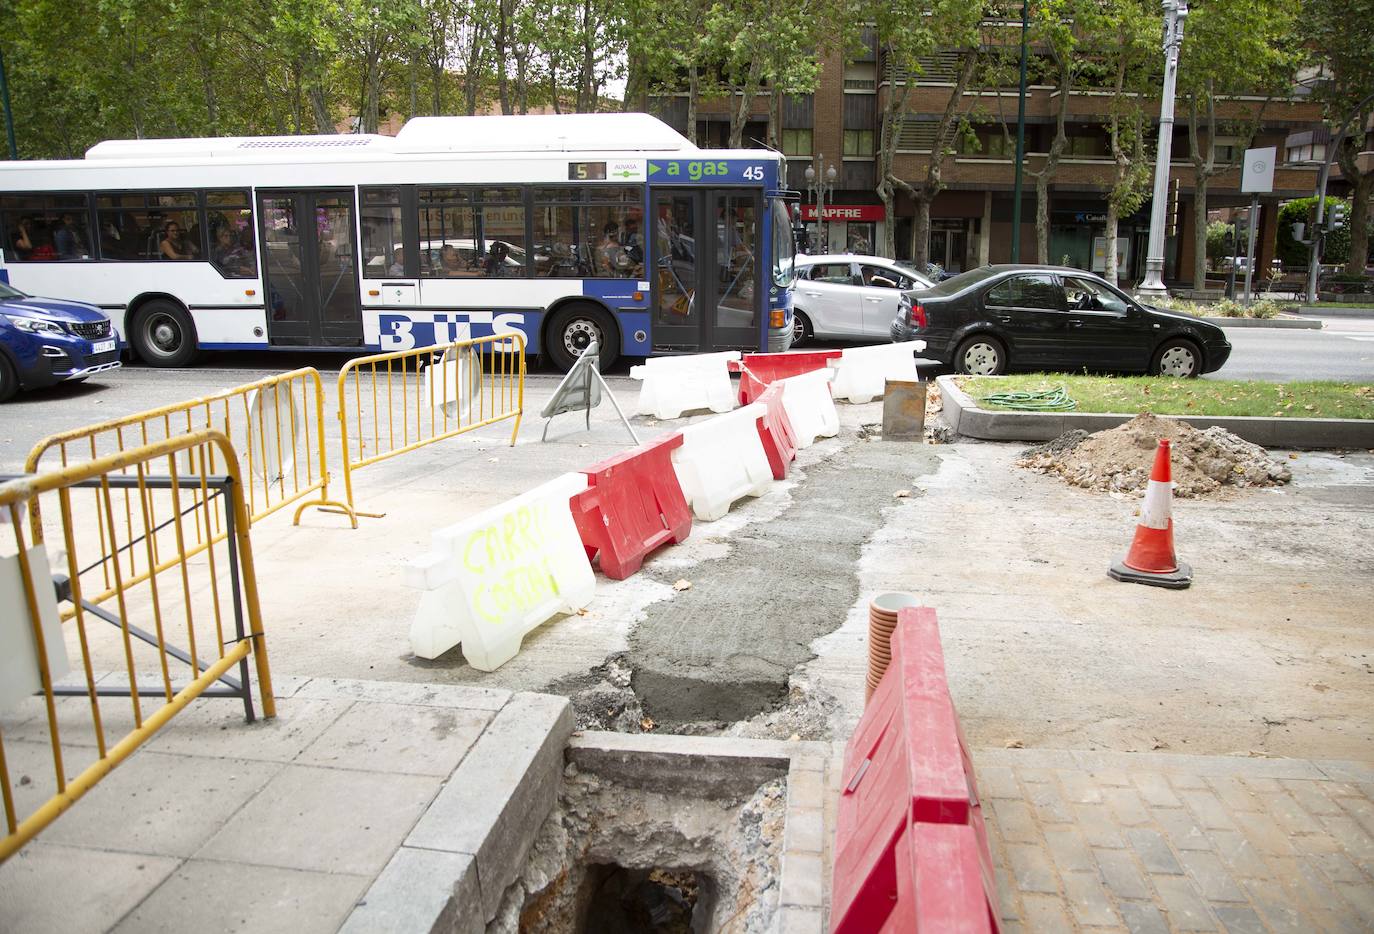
(1328, 312)
(965, 417)
(1292, 323)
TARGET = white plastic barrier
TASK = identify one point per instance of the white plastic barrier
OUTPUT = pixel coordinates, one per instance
(809, 406)
(861, 373)
(721, 460)
(495, 577)
(673, 385)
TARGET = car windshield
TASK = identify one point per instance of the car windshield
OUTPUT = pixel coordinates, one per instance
(7, 292)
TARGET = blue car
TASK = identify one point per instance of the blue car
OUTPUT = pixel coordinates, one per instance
(44, 342)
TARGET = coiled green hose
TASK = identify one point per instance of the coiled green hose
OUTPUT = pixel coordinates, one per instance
(1051, 400)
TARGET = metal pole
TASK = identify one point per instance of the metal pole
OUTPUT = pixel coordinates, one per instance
(1175, 11)
(1020, 142)
(820, 203)
(9, 114)
(1250, 246)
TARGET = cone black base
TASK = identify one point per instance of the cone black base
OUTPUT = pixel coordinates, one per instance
(1174, 580)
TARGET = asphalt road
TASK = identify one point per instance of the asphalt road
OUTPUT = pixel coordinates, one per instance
(1343, 350)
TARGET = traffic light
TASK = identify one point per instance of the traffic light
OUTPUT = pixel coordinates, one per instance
(1337, 217)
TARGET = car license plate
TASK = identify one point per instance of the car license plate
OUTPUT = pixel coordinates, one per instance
(102, 346)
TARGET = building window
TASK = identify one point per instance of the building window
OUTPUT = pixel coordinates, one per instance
(987, 143)
(861, 76)
(797, 142)
(1226, 149)
(1086, 146)
(858, 142)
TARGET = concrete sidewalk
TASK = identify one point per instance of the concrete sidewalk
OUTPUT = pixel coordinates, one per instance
(393, 803)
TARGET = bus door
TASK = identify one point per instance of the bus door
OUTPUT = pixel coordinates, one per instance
(308, 257)
(706, 274)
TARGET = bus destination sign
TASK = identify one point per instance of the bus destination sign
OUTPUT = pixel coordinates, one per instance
(586, 171)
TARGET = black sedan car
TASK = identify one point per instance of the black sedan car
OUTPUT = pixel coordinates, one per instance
(996, 318)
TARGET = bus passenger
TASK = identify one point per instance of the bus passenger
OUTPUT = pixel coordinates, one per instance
(174, 244)
(398, 262)
(230, 258)
(610, 255)
(22, 240)
(495, 263)
(451, 261)
(67, 240)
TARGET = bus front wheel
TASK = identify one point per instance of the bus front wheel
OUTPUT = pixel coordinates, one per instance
(163, 334)
(571, 331)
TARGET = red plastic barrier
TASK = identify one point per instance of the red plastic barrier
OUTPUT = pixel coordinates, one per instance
(633, 504)
(758, 370)
(775, 431)
(906, 765)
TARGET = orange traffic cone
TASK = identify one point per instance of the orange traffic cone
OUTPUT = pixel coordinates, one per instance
(1151, 559)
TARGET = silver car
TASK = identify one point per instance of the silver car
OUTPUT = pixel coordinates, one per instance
(849, 296)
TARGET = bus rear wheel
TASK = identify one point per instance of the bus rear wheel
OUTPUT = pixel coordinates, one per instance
(164, 335)
(573, 328)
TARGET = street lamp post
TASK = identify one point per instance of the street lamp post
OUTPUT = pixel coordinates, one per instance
(819, 186)
(1175, 12)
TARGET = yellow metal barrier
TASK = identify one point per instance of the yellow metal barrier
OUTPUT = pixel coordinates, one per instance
(277, 423)
(391, 403)
(201, 612)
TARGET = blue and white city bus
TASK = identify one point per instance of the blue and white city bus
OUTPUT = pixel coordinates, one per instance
(567, 228)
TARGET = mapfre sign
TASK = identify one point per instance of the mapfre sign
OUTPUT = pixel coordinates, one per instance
(845, 212)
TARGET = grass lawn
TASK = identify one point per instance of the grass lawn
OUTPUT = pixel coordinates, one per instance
(1338, 305)
(1130, 394)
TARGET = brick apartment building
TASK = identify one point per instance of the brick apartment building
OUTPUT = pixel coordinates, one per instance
(971, 218)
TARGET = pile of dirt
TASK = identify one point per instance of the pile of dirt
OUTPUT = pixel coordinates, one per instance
(1119, 460)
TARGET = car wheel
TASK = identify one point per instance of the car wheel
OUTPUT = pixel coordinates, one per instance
(571, 331)
(163, 335)
(1178, 358)
(981, 355)
(9, 379)
(801, 328)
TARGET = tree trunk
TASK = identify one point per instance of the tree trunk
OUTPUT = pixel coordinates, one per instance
(693, 93)
(320, 105)
(920, 232)
(502, 38)
(889, 200)
(1042, 218)
(1359, 223)
(1109, 272)
(1200, 232)
(775, 119)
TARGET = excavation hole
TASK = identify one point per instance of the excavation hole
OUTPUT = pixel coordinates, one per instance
(661, 901)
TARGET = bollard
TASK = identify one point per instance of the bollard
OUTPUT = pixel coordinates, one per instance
(904, 410)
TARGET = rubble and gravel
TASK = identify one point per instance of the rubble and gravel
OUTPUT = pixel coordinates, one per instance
(1119, 459)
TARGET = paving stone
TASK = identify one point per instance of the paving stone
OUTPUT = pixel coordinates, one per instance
(1111, 777)
(997, 781)
(1240, 854)
(1233, 793)
(1338, 868)
(1089, 900)
(1050, 807)
(1045, 913)
(1127, 805)
(1346, 771)
(37, 887)
(1278, 910)
(1240, 919)
(1312, 796)
(325, 820)
(1015, 822)
(803, 877)
(164, 804)
(1068, 850)
(1210, 876)
(1287, 813)
(1361, 898)
(1007, 905)
(1154, 852)
(795, 920)
(1098, 827)
(496, 800)
(1265, 834)
(1316, 844)
(398, 738)
(1360, 808)
(1143, 918)
(805, 790)
(1156, 790)
(1078, 787)
(1358, 844)
(1035, 776)
(421, 890)
(1184, 781)
(1186, 911)
(1261, 785)
(804, 830)
(1208, 810)
(1182, 831)
(1031, 868)
(284, 901)
(1122, 875)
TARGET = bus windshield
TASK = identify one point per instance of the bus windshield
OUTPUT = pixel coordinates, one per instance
(784, 246)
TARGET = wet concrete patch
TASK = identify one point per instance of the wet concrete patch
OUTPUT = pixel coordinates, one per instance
(722, 651)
